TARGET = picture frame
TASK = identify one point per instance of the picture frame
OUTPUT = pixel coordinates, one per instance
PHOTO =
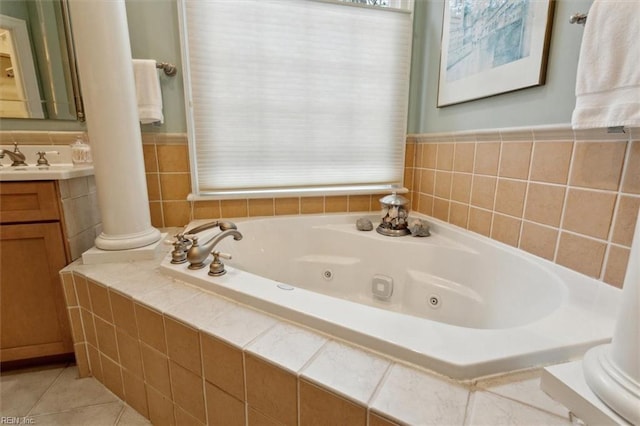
(490, 47)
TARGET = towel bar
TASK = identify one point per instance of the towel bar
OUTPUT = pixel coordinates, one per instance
(578, 18)
(169, 69)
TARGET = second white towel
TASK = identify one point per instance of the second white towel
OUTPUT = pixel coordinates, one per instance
(148, 92)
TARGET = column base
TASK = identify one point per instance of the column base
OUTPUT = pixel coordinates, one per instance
(95, 255)
(127, 241)
(612, 385)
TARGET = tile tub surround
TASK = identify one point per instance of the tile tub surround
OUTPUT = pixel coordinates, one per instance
(180, 355)
(569, 197)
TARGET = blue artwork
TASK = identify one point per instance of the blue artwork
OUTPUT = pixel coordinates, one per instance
(486, 34)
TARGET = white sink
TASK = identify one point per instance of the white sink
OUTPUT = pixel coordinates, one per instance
(53, 172)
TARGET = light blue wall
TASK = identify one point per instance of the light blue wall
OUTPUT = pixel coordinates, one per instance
(551, 103)
(154, 34)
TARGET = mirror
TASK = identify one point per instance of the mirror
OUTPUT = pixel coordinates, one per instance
(38, 75)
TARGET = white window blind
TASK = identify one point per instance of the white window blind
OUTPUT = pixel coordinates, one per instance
(295, 95)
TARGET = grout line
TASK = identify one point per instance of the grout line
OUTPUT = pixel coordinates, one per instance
(54, 381)
(564, 202)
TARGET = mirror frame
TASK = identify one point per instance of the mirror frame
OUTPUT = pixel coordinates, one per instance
(73, 66)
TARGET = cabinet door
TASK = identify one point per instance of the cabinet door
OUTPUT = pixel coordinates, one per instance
(28, 202)
(34, 317)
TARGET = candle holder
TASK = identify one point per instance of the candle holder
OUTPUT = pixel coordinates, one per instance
(394, 216)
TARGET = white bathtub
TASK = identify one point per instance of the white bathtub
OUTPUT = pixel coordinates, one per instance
(460, 304)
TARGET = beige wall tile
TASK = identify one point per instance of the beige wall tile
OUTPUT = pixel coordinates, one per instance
(515, 159)
(427, 181)
(75, 321)
(155, 210)
(112, 376)
(459, 214)
(544, 203)
(261, 207)
(443, 184)
(150, 158)
(151, 327)
(287, 206)
(463, 157)
(359, 203)
(539, 240)
(510, 197)
(409, 154)
(589, 212)
(598, 165)
(441, 209)
(335, 204)
(487, 158)
(506, 229)
(428, 155)
(234, 208)
(153, 186)
(89, 327)
(94, 363)
(135, 393)
(176, 213)
(444, 159)
(311, 205)
(106, 334)
(173, 158)
(483, 190)
(223, 366)
(376, 420)
(271, 390)
(480, 221)
(123, 314)
(160, 408)
(580, 254)
(100, 300)
(625, 220)
(320, 408)
(82, 291)
(82, 360)
(188, 392)
(129, 351)
(425, 204)
(69, 290)
(183, 345)
(616, 267)
(631, 180)
(209, 209)
(550, 161)
(461, 187)
(156, 370)
(222, 408)
(175, 186)
(256, 418)
(185, 419)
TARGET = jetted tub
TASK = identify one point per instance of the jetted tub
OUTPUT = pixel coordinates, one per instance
(455, 302)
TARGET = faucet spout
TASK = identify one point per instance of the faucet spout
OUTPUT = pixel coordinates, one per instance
(16, 156)
(197, 254)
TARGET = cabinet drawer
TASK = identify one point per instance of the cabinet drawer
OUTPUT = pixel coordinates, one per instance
(28, 202)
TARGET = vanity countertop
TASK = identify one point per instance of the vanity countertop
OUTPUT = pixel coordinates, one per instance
(53, 172)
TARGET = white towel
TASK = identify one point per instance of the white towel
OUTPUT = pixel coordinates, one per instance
(148, 91)
(608, 79)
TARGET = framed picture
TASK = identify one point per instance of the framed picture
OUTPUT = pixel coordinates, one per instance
(492, 46)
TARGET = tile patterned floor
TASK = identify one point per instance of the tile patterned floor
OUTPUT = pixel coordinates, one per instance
(54, 395)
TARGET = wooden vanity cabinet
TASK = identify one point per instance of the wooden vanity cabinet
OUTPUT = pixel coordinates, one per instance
(34, 321)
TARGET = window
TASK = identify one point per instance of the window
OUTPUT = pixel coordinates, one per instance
(295, 97)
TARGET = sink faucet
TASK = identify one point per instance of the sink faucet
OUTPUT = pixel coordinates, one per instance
(197, 254)
(16, 156)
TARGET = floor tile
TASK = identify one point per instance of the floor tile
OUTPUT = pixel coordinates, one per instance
(131, 417)
(492, 410)
(69, 392)
(94, 415)
(21, 389)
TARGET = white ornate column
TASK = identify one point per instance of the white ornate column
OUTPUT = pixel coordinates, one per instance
(612, 371)
(101, 38)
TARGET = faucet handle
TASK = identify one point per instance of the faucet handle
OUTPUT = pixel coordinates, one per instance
(216, 268)
(226, 256)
